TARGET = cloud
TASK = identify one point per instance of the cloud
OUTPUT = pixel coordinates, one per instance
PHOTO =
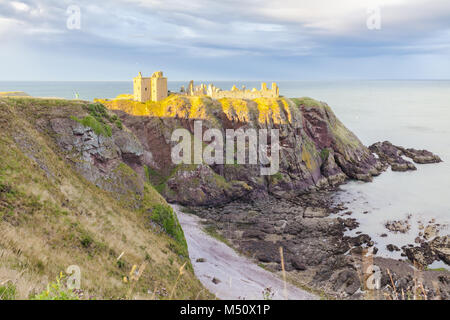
(19, 6)
(262, 30)
(242, 26)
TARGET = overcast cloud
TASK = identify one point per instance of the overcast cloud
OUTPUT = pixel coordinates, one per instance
(228, 39)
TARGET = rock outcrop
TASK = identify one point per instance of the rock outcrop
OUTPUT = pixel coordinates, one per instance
(101, 159)
(317, 151)
(392, 155)
(428, 252)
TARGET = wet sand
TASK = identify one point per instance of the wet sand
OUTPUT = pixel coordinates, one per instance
(240, 277)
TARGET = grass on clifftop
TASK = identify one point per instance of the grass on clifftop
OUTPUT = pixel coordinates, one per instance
(99, 120)
(344, 137)
(13, 94)
(203, 107)
(308, 102)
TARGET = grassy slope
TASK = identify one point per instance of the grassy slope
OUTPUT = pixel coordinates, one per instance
(51, 217)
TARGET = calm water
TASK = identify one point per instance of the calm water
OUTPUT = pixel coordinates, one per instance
(408, 113)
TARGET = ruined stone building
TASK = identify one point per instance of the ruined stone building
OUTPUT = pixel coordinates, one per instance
(217, 93)
(153, 88)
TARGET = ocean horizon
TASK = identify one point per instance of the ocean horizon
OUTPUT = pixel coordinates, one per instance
(90, 90)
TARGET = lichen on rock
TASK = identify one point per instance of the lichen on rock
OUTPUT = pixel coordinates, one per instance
(308, 131)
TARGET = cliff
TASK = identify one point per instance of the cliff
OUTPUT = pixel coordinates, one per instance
(317, 150)
(72, 193)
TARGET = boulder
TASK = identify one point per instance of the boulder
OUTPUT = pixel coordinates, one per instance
(347, 281)
(298, 264)
(311, 212)
(401, 226)
(422, 255)
(441, 246)
(392, 248)
(430, 232)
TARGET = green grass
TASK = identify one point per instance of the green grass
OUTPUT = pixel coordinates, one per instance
(307, 102)
(324, 154)
(98, 127)
(8, 292)
(56, 291)
(437, 269)
(276, 177)
(263, 266)
(156, 179)
(166, 218)
(99, 120)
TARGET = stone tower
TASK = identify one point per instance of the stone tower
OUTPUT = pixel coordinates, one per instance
(141, 88)
(154, 88)
(275, 90)
(159, 86)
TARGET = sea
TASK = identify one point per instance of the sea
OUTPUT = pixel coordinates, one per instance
(409, 113)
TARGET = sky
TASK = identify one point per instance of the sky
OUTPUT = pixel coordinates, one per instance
(224, 40)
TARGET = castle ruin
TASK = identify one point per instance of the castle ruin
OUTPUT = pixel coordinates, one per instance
(153, 88)
(217, 93)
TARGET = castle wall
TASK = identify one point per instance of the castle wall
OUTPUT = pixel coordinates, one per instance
(234, 93)
(244, 94)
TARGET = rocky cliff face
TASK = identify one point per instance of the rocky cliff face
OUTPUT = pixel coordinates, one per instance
(101, 159)
(73, 191)
(317, 151)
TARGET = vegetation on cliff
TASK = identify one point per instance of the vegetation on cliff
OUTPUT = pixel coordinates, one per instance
(203, 107)
(72, 196)
(99, 120)
(317, 150)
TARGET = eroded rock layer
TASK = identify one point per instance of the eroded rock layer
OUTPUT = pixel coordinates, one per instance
(317, 150)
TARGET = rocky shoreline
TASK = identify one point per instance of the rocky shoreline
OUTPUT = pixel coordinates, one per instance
(227, 274)
(317, 254)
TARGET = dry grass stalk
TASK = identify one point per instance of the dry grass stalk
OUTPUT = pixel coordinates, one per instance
(181, 272)
(135, 276)
(415, 288)
(153, 297)
(198, 294)
(423, 291)
(437, 290)
(284, 273)
(393, 285)
(120, 256)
